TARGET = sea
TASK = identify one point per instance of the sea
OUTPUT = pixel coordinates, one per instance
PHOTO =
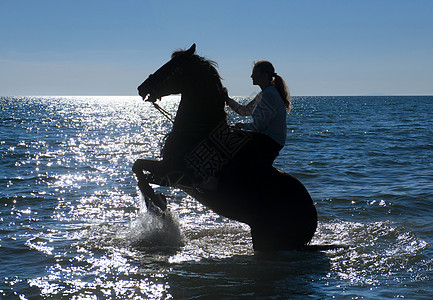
(73, 224)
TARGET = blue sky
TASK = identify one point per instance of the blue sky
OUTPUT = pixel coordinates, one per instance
(320, 47)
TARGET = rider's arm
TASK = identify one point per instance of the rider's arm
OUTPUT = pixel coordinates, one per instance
(262, 115)
(243, 110)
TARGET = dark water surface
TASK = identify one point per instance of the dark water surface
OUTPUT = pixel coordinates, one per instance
(73, 225)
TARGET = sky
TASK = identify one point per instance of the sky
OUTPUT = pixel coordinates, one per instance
(322, 47)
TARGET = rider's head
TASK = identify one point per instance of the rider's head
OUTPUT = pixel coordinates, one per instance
(264, 75)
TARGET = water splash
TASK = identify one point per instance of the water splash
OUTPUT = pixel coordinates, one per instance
(152, 230)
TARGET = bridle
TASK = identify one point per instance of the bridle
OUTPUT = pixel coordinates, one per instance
(165, 113)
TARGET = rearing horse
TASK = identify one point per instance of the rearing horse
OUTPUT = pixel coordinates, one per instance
(202, 148)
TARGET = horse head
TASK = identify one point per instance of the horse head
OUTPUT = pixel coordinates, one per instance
(168, 79)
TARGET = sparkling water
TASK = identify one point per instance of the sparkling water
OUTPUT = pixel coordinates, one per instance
(73, 224)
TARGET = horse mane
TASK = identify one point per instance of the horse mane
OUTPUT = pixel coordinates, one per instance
(207, 68)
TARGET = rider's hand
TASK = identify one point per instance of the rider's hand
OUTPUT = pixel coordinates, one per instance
(225, 94)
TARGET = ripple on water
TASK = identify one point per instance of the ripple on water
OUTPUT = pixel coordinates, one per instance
(73, 225)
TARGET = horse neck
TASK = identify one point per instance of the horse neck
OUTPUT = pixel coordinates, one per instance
(199, 112)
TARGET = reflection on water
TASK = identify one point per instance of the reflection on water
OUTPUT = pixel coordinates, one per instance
(175, 257)
(73, 224)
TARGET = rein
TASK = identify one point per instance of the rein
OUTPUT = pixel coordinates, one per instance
(165, 113)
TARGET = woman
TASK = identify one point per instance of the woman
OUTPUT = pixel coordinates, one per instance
(268, 110)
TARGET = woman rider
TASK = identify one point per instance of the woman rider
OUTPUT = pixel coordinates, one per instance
(268, 110)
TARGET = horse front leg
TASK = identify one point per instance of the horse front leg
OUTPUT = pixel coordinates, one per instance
(150, 197)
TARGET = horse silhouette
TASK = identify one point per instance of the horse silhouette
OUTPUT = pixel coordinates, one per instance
(216, 164)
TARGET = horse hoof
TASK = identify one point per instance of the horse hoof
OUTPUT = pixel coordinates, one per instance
(160, 201)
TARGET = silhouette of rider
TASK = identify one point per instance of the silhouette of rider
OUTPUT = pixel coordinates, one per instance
(268, 110)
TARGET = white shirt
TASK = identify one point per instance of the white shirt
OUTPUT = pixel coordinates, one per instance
(268, 112)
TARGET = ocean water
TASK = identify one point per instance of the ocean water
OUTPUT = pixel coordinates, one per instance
(73, 224)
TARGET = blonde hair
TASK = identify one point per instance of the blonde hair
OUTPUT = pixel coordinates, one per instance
(278, 82)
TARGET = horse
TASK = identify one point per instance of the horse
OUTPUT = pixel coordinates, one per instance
(212, 162)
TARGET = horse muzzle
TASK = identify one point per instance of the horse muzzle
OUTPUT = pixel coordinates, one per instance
(147, 94)
(149, 97)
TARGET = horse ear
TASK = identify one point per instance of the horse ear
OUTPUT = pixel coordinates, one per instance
(191, 50)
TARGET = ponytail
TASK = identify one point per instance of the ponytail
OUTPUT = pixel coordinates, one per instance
(280, 85)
